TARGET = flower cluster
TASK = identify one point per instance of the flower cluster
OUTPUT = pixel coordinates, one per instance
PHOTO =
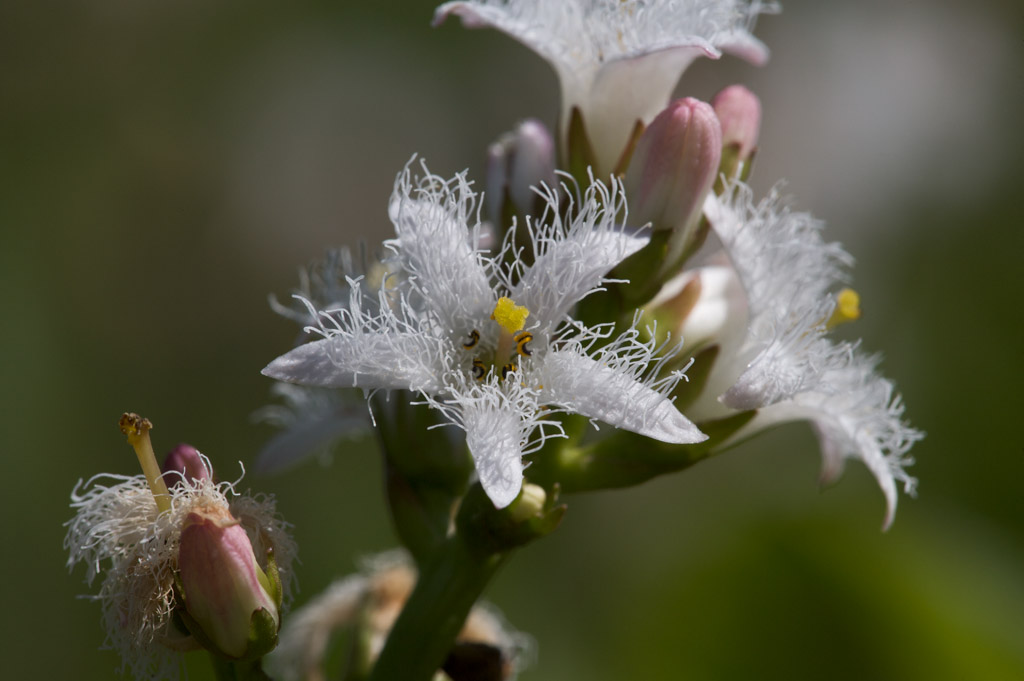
(624, 276)
(490, 322)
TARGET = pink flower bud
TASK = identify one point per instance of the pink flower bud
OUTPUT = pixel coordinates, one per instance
(673, 167)
(519, 160)
(739, 112)
(185, 459)
(227, 595)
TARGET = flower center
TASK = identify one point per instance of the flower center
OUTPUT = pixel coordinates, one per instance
(510, 316)
(512, 340)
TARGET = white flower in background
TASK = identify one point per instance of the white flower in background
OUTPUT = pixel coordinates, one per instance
(310, 420)
(487, 339)
(768, 299)
(371, 601)
(619, 60)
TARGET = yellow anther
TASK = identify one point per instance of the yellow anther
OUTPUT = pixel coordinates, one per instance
(507, 369)
(479, 370)
(512, 317)
(136, 429)
(474, 338)
(847, 308)
(521, 340)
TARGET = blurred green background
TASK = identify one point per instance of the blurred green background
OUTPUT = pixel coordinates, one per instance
(165, 166)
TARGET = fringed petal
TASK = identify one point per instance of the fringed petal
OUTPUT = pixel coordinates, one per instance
(597, 391)
(370, 361)
(574, 254)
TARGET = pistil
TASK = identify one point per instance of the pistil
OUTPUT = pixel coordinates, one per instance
(136, 429)
(512, 319)
(847, 308)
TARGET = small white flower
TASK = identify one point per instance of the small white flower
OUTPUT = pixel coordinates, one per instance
(767, 299)
(487, 339)
(619, 60)
(118, 532)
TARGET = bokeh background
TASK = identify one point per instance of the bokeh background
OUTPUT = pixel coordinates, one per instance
(164, 166)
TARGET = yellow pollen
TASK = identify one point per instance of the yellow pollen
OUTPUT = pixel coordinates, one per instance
(512, 317)
(847, 308)
(136, 429)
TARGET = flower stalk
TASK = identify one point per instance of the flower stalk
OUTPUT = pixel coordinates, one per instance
(454, 577)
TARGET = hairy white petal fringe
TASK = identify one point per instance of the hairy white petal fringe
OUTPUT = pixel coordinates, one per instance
(118, 532)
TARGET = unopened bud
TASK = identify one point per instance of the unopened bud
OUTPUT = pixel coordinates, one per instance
(186, 460)
(739, 111)
(529, 503)
(228, 600)
(672, 170)
(518, 161)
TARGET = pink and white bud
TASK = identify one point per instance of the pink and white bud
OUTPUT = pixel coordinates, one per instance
(518, 161)
(739, 111)
(227, 595)
(186, 460)
(673, 167)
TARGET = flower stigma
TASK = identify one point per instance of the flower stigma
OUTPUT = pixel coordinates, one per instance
(511, 318)
(847, 308)
(136, 429)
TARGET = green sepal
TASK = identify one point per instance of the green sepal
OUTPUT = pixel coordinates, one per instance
(581, 153)
(728, 167)
(626, 459)
(262, 635)
(627, 153)
(640, 271)
(493, 531)
(695, 240)
(687, 392)
(749, 165)
(270, 579)
(733, 166)
(621, 298)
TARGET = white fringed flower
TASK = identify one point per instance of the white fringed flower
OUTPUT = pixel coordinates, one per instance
(487, 339)
(619, 60)
(776, 274)
(119, 533)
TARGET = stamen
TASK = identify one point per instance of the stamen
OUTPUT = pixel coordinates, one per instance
(136, 429)
(479, 370)
(521, 340)
(474, 338)
(507, 369)
(847, 308)
(510, 316)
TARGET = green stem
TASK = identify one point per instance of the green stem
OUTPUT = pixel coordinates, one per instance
(449, 584)
(424, 473)
(238, 670)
